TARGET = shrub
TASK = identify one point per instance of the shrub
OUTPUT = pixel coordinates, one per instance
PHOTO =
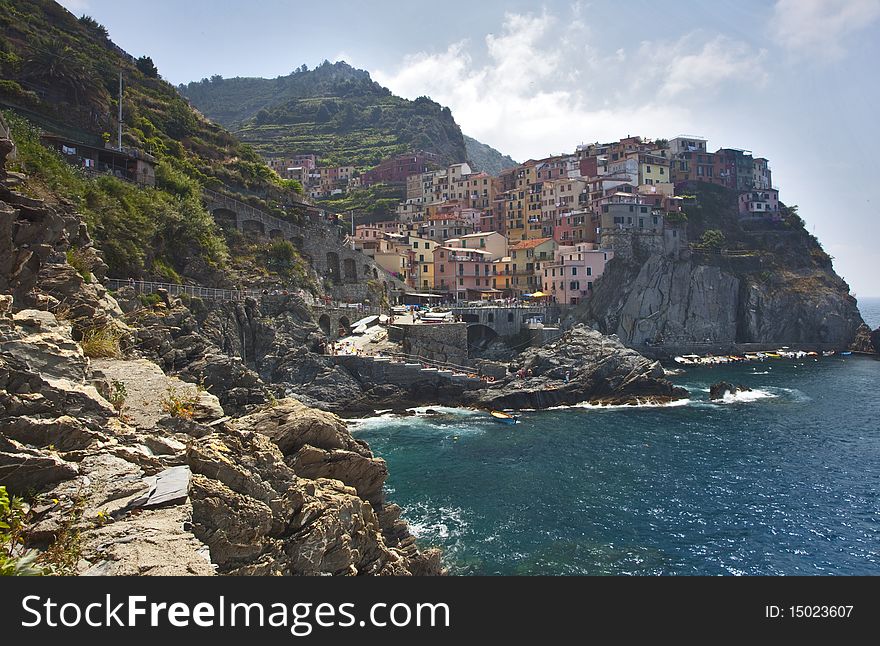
(150, 300)
(179, 404)
(15, 560)
(103, 342)
(712, 239)
(118, 393)
(79, 260)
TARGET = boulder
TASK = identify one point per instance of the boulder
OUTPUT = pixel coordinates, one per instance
(718, 390)
(583, 365)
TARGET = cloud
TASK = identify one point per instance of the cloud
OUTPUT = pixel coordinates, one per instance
(719, 61)
(542, 85)
(818, 28)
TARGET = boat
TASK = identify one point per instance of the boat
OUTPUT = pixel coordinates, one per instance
(502, 417)
(845, 354)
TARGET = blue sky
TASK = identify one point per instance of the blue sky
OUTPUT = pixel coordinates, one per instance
(791, 80)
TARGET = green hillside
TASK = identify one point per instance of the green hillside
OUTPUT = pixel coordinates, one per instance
(333, 111)
(485, 158)
(60, 73)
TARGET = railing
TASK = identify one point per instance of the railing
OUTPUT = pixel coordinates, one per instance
(174, 289)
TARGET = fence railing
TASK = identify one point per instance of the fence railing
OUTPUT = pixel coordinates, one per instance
(174, 289)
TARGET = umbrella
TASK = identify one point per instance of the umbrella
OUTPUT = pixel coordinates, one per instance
(538, 294)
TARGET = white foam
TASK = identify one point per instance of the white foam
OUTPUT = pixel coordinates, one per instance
(745, 396)
(638, 404)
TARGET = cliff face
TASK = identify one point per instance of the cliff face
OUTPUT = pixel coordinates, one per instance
(768, 284)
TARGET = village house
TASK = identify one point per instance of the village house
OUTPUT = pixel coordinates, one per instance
(569, 278)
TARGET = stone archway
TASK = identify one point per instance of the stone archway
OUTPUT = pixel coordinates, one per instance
(253, 226)
(298, 242)
(324, 324)
(479, 335)
(225, 218)
(349, 270)
(275, 233)
(333, 265)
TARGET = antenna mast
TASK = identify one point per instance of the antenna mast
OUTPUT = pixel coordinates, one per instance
(119, 136)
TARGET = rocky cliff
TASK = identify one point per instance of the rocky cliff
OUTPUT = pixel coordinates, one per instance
(767, 283)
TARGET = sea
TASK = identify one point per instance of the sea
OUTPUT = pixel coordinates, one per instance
(784, 479)
(870, 309)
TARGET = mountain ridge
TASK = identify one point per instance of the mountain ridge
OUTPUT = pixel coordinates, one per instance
(334, 111)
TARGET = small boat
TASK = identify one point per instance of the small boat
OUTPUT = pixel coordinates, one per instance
(502, 417)
(845, 354)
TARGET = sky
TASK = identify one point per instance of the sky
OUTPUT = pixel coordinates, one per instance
(794, 81)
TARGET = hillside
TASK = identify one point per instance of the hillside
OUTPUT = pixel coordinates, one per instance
(484, 158)
(333, 111)
(60, 75)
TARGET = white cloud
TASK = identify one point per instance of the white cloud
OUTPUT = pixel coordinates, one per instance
(818, 28)
(545, 86)
(720, 60)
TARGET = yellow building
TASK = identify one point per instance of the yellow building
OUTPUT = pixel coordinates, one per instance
(526, 260)
(421, 255)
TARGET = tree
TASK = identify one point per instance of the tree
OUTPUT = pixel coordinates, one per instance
(147, 67)
(713, 239)
(323, 115)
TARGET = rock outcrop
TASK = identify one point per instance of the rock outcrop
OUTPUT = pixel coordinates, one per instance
(720, 389)
(284, 490)
(866, 340)
(582, 366)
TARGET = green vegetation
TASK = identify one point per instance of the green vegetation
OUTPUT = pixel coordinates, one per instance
(102, 342)
(117, 395)
(676, 217)
(62, 74)
(379, 201)
(712, 239)
(179, 404)
(150, 300)
(334, 111)
(79, 260)
(15, 560)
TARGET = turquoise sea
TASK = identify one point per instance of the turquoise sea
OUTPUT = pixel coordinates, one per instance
(783, 480)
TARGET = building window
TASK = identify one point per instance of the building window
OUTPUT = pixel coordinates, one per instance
(574, 271)
(589, 271)
(461, 281)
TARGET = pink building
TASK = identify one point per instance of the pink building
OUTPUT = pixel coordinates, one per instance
(464, 273)
(569, 279)
(759, 204)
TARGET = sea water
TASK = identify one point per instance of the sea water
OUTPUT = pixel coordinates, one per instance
(784, 479)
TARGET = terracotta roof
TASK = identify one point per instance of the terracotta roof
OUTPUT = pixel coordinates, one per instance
(530, 244)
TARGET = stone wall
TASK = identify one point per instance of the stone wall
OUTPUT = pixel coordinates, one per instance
(444, 342)
(539, 336)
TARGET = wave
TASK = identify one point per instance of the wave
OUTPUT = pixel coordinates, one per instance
(638, 404)
(432, 523)
(745, 396)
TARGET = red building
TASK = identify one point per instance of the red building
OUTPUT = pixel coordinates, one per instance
(396, 169)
